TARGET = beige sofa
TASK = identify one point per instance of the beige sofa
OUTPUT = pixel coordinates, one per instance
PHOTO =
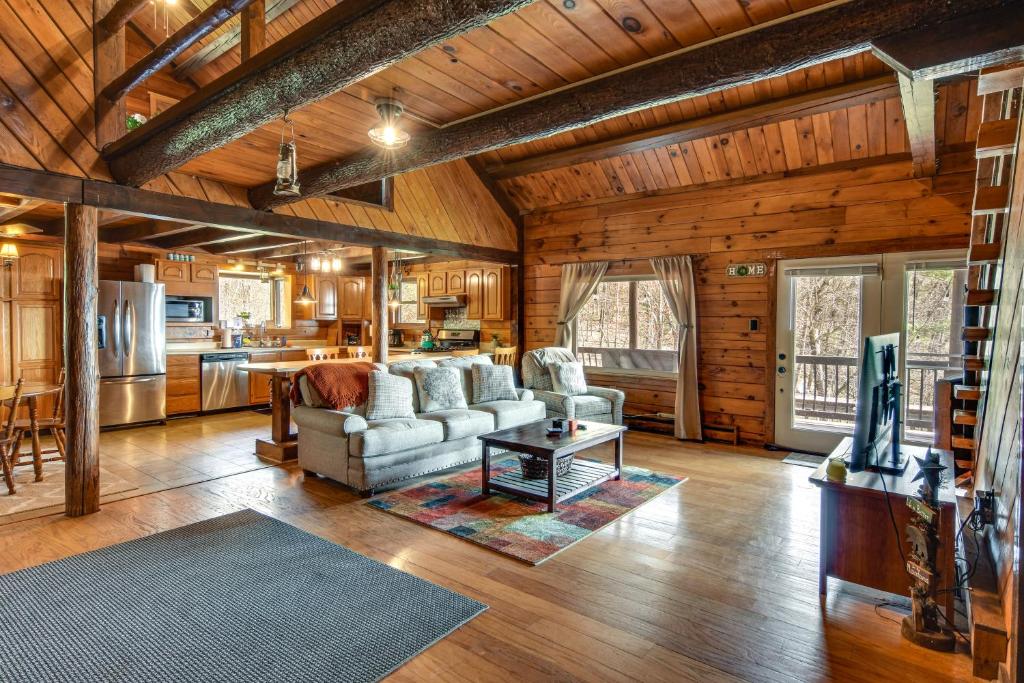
(368, 455)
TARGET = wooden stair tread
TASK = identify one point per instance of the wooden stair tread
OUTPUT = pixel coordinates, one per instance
(992, 199)
(964, 479)
(963, 442)
(974, 363)
(1000, 79)
(965, 417)
(996, 138)
(976, 334)
(981, 297)
(984, 252)
(965, 464)
(965, 392)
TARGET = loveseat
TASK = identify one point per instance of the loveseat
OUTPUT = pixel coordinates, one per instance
(373, 454)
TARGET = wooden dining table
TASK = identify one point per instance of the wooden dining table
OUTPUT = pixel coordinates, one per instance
(31, 393)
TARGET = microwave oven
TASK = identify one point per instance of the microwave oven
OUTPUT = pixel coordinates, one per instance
(184, 310)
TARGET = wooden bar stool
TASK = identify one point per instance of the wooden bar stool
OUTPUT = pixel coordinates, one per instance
(9, 437)
(325, 353)
(505, 355)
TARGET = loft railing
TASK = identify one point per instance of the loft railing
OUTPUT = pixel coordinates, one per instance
(825, 388)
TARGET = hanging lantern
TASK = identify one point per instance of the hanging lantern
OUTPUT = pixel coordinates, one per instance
(264, 275)
(336, 264)
(314, 263)
(305, 296)
(395, 282)
(287, 184)
(387, 133)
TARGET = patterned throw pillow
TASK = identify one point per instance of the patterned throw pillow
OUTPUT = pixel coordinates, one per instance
(568, 378)
(390, 397)
(440, 389)
(493, 383)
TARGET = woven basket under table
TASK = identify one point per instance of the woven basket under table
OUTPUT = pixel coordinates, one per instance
(534, 467)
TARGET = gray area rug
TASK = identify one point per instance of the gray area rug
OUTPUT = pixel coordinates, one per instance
(804, 459)
(243, 597)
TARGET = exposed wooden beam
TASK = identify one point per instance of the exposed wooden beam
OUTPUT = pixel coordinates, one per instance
(108, 64)
(379, 305)
(201, 25)
(82, 471)
(345, 44)
(964, 44)
(223, 44)
(774, 50)
(497, 192)
(254, 29)
(761, 114)
(250, 243)
(918, 98)
(51, 187)
(118, 14)
(142, 231)
(379, 194)
(196, 237)
(10, 211)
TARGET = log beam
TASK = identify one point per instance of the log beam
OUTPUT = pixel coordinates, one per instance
(918, 99)
(254, 29)
(117, 15)
(138, 232)
(832, 33)
(196, 237)
(82, 472)
(201, 25)
(250, 243)
(379, 304)
(347, 43)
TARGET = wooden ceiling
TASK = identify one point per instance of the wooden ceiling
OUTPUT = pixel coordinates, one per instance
(543, 47)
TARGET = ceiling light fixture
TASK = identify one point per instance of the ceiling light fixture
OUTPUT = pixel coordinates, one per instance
(314, 262)
(287, 183)
(388, 134)
(336, 264)
(304, 297)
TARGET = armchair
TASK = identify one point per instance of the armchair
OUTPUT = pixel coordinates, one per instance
(599, 404)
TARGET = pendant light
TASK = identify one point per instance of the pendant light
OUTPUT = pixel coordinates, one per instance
(387, 133)
(336, 264)
(314, 263)
(163, 4)
(287, 184)
(304, 297)
(395, 282)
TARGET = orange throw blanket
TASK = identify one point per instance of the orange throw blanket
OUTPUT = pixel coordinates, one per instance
(339, 384)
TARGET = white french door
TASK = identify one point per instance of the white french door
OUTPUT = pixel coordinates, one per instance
(825, 309)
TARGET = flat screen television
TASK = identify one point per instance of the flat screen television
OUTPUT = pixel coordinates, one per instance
(876, 431)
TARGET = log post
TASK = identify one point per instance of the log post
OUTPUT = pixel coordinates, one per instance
(254, 29)
(82, 472)
(379, 304)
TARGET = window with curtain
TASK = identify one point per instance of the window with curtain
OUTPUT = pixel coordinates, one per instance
(628, 325)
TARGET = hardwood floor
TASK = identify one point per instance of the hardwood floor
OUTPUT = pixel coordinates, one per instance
(715, 580)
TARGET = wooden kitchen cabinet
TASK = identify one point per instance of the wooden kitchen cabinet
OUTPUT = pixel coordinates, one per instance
(203, 272)
(474, 294)
(495, 300)
(326, 306)
(351, 298)
(437, 283)
(456, 282)
(259, 385)
(38, 272)
(183, 384)
(173, 271)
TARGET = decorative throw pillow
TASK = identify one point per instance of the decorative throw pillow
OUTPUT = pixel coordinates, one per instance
(493, 383)
(465, 364)
(439, 389)
(568, 378)
(390, 397)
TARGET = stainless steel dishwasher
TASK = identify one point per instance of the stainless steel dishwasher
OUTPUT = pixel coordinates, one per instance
(224, 385)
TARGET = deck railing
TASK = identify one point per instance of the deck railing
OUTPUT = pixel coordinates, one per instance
(825, 388)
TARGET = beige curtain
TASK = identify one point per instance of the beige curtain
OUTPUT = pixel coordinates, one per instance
(579, 282)
(676, 276)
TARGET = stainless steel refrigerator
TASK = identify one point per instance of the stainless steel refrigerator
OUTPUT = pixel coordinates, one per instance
(132, 352)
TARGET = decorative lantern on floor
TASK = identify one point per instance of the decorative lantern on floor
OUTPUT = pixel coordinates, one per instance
(287, 184)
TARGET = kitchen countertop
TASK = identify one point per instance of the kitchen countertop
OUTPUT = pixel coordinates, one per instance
(191, 348)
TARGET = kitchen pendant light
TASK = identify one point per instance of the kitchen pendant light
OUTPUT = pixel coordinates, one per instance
(314, 262)
(336, 264)
(387, 133)
(305, 296)
(287, 184)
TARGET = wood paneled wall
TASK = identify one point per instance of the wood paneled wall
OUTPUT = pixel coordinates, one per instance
(999, 453)
(864, 209)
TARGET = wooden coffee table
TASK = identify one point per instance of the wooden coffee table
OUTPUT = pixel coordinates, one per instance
(533, 439)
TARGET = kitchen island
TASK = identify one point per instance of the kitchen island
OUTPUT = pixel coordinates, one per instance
(283, 444)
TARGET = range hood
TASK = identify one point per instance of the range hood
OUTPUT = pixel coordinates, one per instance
(446, 301)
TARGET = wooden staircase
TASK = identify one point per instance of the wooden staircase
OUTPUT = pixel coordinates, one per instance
(995, 154)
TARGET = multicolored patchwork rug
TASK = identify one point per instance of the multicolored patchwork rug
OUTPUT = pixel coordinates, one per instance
(517, 527)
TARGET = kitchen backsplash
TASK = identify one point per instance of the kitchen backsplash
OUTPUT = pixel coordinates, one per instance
(455, 319)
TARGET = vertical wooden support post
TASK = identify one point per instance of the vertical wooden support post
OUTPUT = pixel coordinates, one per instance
(379, 304)
(108, 61)
(254, 29)
(82, 473)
